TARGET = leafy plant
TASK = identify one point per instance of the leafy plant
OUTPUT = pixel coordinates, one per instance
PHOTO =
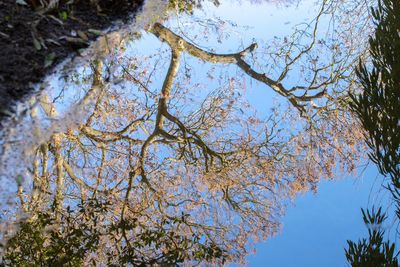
(372, 252)
(49, 240)
(378, 106)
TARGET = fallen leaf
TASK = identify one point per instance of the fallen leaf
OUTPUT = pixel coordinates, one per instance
(37, 44)
(95, 32)
(48, 61)
(83, 35)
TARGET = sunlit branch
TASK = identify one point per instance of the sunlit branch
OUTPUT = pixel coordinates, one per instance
(178, 43)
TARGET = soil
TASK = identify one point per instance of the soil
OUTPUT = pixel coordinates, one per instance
(34, 39)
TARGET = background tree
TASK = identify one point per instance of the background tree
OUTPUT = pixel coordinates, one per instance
(377, 106)
(46, 240)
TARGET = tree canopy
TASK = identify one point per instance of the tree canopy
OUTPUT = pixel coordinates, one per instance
(165, 169)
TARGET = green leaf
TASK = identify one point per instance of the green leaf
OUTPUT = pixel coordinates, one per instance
(48, 61)
(95, 32)
(63, 15)
(37, 44)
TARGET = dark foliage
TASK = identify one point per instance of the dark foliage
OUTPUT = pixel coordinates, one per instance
(378, 106)
(45, 240)
(372, 252)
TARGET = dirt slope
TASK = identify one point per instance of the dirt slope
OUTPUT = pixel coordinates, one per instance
(33, 39)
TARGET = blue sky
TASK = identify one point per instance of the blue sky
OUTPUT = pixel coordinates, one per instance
(316, 227)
